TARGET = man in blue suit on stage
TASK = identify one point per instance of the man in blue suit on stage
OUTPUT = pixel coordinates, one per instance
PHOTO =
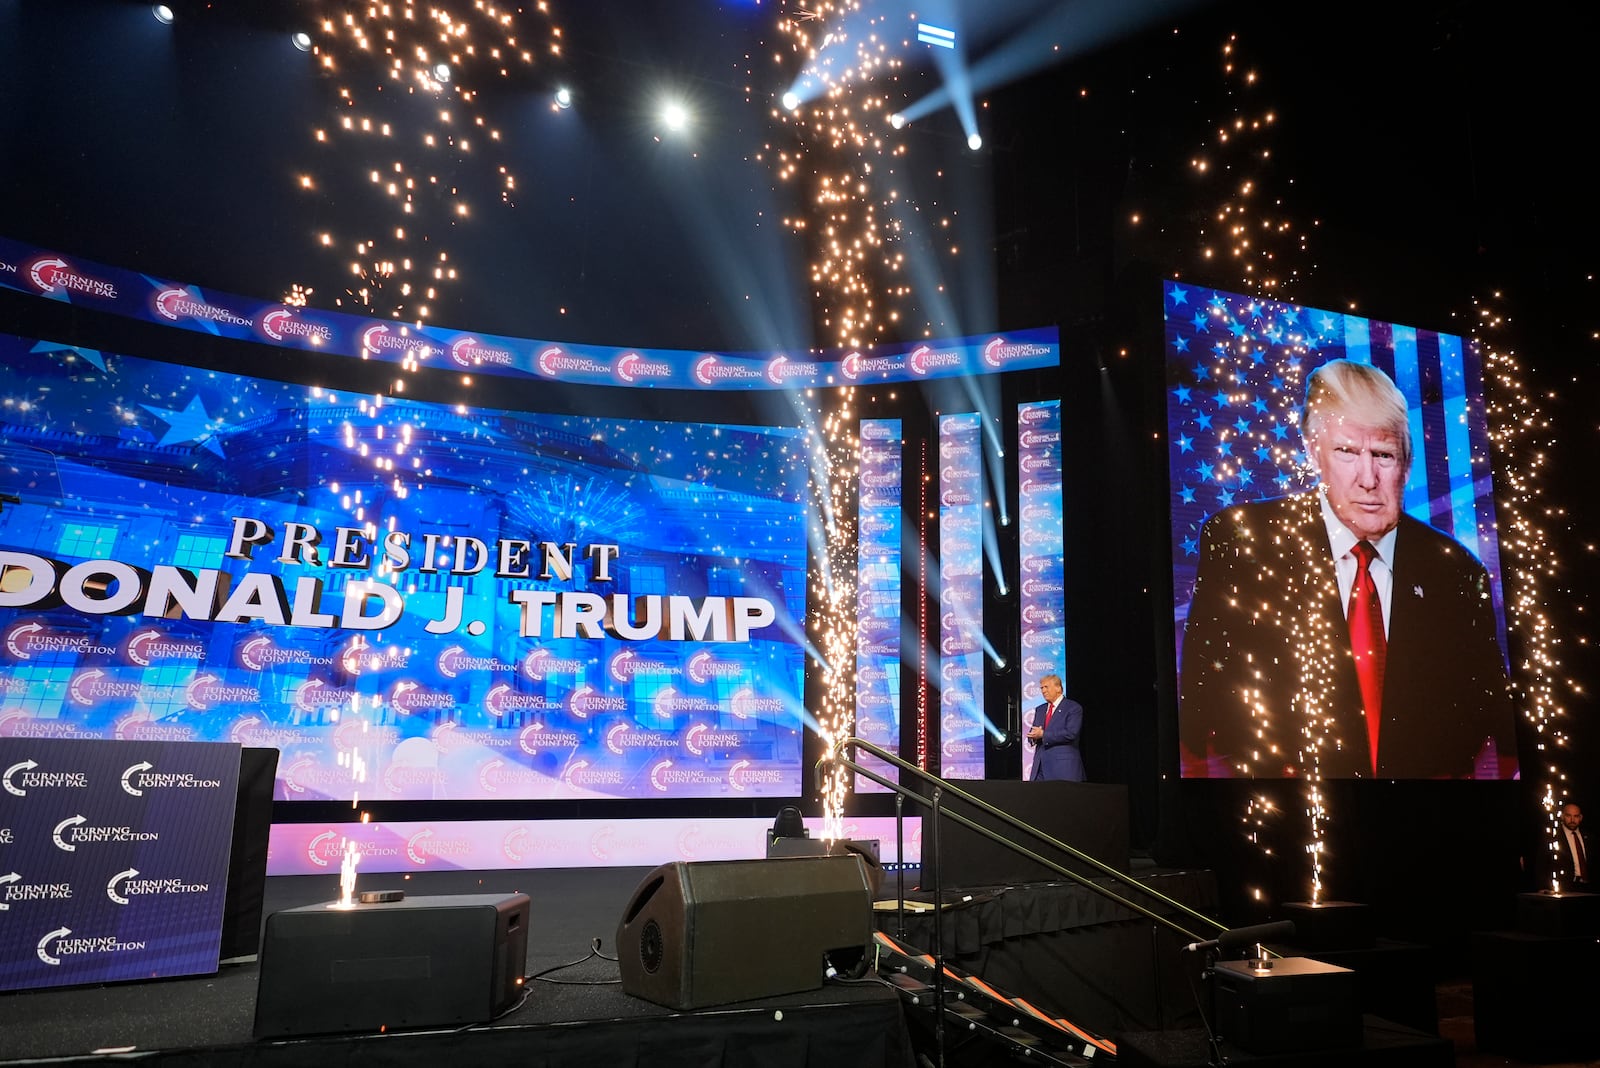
(1054, 735)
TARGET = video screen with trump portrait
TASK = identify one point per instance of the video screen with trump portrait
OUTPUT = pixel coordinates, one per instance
(410, 600)
(1336, 574)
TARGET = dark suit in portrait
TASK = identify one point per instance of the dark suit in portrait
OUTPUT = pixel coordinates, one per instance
(1056, 755)
(1266, 592)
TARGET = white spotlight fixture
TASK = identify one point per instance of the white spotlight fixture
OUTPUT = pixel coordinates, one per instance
(563, 98)
(791, 100)
(441, 72)
(163, 14)
(898, 121)
(302, 41)
(974, 142)
(675, 116)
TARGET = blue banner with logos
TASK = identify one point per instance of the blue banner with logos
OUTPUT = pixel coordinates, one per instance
(113, 859)
(56, 276)
(961, 596)
(1042, 605)
(878, 580)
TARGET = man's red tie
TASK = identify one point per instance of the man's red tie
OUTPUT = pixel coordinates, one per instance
(1049, 710)
(1368, 643)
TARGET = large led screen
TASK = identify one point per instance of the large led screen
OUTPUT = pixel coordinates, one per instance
(1335, 567)
(409, 600)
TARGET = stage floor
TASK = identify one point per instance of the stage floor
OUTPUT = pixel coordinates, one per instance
(208, 1020)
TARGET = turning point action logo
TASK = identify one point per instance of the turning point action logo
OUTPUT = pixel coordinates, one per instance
(630, 367)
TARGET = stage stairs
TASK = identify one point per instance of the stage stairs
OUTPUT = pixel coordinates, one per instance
(977, 1013)
(968, 1007)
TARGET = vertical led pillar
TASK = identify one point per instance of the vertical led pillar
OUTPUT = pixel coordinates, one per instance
(878, 595)
(961, 596)
(1041, 598)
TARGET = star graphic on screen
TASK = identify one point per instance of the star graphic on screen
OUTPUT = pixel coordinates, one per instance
(192, 424)
(92, 355)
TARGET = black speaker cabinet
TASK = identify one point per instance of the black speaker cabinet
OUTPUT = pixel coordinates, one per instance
(712, 932)
(1300, 1004)
(420, 962)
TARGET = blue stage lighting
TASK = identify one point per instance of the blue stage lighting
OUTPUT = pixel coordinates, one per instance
(974, 142)
(791, 100)
(302, 41)
(937, 36)
(163, 14)
(563, 98)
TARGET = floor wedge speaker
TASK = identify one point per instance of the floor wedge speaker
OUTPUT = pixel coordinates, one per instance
(712, 932)
(419, 962)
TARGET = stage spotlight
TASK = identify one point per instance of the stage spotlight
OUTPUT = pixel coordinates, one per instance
(791, 100)
(163, 14)
(898, 121)
(974, 142)
(441, 72)
(302, 41)
(675, 116)
(563, 98)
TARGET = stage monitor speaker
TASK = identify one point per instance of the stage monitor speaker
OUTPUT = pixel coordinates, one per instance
(712, 932)
(420, 962)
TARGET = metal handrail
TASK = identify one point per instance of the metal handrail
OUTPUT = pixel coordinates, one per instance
(836, 756)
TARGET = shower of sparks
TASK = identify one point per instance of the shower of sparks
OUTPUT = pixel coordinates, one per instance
(347, 874)
(406, 121)
(593, 509)
(833, 591)
(1249, 229)
(1522, 437)
(842, 145)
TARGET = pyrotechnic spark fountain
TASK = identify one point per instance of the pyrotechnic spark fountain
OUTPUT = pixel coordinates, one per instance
(1252, 235)
(407, 119)
(347, 874)
(833, 588)
(1522, 437)
(1249, 231)
(842, 143)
